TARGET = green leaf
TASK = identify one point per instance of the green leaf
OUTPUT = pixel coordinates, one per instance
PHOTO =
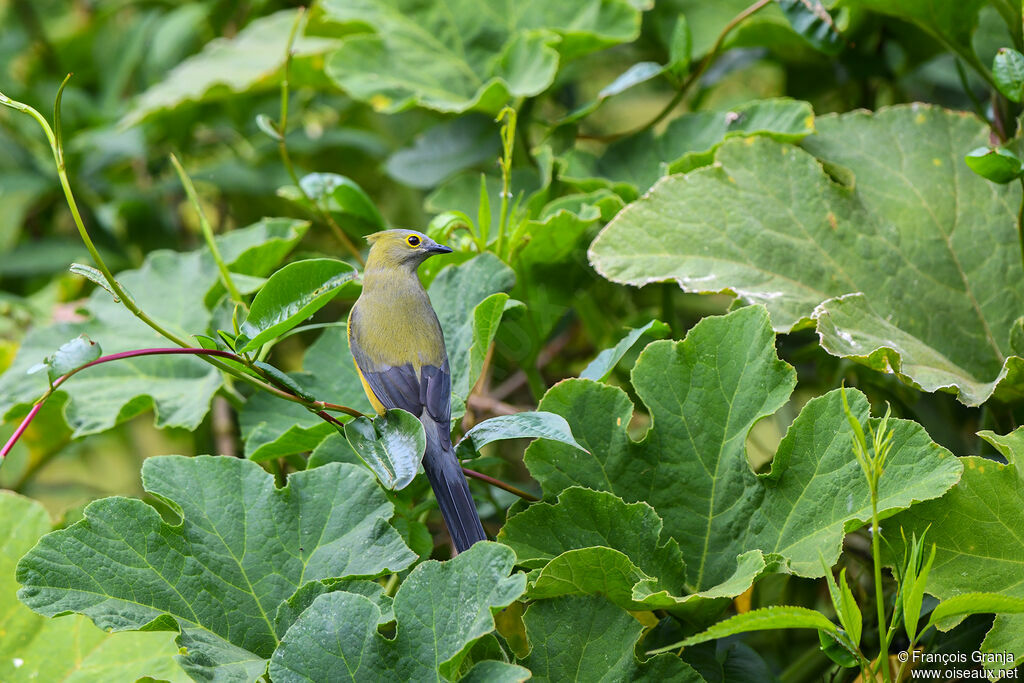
(808, 248)
(391, 446)
(70, 648)
(975, 603)
(171, 288)
(602, 366)
(344, 195)
(764, 619)
(291, 295)
(444, 150)
(469, 300)
(591, 542)
(812, 21)
(467, 54)
(272, 428)
(976, 530)
(1008, 71)
(638, 73)
(494, 671)
(70, 356)
(551, 267)
(589, 639)
(951, 22)
(251, 60)
(708, 19)
(853, 621)
(242, 548)
(525, 425)
(283, 380)
(724, 377)
(268, 126)
(293, 607)
(440, 609)
(995, 164)
(689, 142)
(913, 595)
(680, 47)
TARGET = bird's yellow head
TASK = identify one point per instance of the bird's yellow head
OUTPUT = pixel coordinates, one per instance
(401, 249)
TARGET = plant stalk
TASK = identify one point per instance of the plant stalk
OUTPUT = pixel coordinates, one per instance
(207, 229)
(876, 555)
(286, 159)
(500, 484)
(702, 67)
(318, 407)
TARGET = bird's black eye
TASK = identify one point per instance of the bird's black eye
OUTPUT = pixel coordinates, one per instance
(413, 241)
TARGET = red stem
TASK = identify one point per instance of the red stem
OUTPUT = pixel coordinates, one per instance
(19, 431)
(144, 352)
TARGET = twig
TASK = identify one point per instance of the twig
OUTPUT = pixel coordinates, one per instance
(500, 484)
(485, 403)
(697, 73)
(223, 427)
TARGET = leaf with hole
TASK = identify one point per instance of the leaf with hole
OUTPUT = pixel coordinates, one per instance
(703, 395)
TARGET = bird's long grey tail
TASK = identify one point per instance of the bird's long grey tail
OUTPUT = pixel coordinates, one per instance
(452, 492)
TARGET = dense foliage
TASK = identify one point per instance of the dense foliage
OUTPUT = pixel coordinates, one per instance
(734, 316)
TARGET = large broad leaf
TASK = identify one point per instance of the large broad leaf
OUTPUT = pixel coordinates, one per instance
(466, 54)
(470, 301)
(912, 232)
(768, 27)
(953, 23)
(440, 608)
(242, 549)
(273, 428)
(590, 639)
(704, 394)
(445, 149)
(251, 60)
(689, 142)
(70, 648)
(591, 542)
(976, 528)
(171, 287)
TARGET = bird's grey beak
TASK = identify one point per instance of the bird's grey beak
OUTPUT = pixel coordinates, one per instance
(439, 249)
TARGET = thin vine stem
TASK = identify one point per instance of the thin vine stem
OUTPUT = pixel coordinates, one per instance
(207, 229)
(1020, 221)
(876, 553)
(58, 156)
(698, 73)
(122, 295)
(286, 159)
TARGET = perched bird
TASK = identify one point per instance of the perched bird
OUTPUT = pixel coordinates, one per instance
(400, 355)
